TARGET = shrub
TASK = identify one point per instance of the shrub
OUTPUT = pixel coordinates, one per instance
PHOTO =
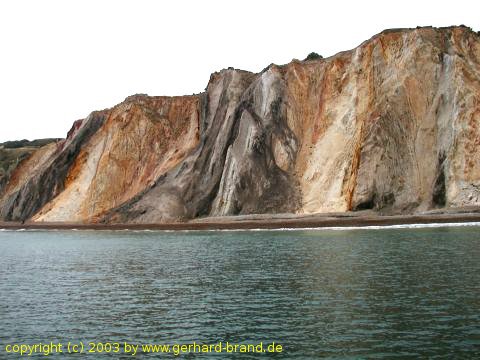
(313, 56)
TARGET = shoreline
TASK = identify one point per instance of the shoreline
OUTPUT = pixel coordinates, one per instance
(262, 223)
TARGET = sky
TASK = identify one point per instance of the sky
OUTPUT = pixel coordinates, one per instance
(60, 60)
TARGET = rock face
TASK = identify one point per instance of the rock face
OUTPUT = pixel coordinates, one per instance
(14, 153)
(392, 126)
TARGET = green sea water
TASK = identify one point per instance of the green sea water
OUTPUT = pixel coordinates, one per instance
(349, 294)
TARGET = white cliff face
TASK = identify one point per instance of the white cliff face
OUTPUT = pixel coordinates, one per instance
(392, 126)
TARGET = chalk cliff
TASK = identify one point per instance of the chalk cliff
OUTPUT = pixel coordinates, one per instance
(392, 125)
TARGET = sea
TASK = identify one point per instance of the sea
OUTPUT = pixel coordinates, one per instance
(353, 293)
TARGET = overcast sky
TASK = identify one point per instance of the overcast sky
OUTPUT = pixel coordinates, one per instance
(60, 60)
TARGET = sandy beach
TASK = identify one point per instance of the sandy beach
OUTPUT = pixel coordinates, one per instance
(265, 222)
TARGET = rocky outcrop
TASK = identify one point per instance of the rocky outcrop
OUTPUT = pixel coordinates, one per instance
(391, 126)
(233, 170)
(15, 153)
(47, 179)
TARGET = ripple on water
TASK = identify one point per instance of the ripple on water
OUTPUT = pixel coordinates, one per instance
(350, 293)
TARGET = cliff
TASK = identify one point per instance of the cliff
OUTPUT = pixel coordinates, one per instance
(392, 126)
(13, 153)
